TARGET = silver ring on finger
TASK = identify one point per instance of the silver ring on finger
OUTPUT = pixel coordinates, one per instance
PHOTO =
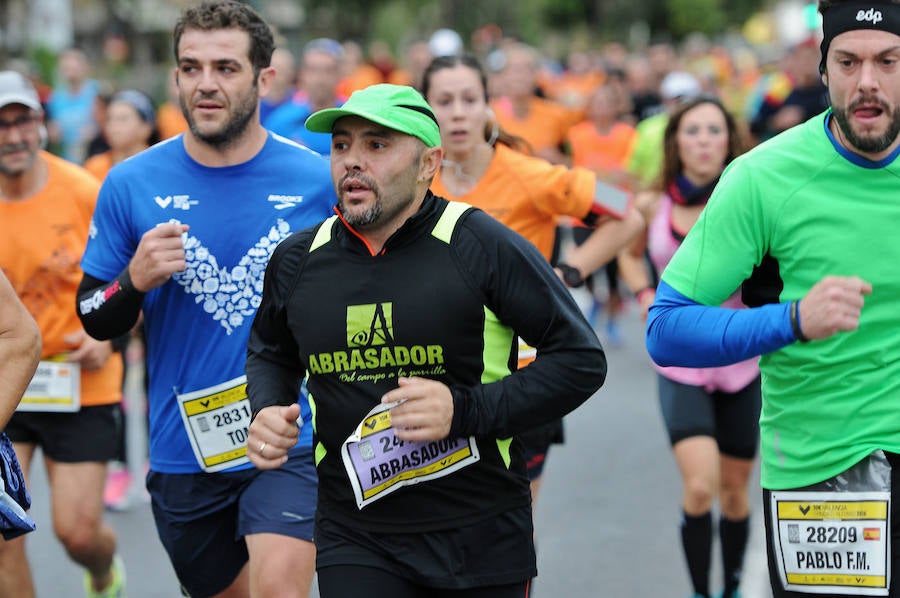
(262, 447)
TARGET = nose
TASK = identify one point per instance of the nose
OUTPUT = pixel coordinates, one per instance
(352, 157)
(458, 110)
(207, 80)
(14, 134)
(868, 77)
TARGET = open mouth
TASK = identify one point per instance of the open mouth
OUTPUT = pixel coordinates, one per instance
(867, 110)
(355, 189)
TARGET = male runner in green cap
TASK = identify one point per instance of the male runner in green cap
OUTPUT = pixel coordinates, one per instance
(403, 311)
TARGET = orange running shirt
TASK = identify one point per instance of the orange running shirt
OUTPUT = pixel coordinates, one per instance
(99, 165)
(544, 127)
(592, 150)
(527, 194)
(170, 120)
(44, 237)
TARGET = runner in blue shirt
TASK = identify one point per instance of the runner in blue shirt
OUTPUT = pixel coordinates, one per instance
(183, 233)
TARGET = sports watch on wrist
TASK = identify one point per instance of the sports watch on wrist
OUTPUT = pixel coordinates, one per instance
(571, 276)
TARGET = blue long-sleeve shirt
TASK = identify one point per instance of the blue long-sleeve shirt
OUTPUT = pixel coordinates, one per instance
(682, 332)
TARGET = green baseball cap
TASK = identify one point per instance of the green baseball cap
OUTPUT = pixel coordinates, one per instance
(397, 107)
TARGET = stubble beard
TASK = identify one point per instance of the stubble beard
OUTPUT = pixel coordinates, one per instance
(869, 144)
(368, 217)
(377, 213)
(234, 127)
(362, 220)
(380, 212)
(17, 171)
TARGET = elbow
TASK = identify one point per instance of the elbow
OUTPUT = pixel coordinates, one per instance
(656, 347)
(654, 351)
(593, 370)
(600, 371)
(97, 332)
(33, 342)
(634, 223)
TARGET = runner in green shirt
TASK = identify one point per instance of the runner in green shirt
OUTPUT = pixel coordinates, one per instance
(806, 223)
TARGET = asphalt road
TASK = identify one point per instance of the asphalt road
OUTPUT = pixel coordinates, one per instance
(606, 521)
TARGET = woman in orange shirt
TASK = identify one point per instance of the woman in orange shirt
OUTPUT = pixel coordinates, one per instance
(482, 167)
(602, 143)
(129, 128)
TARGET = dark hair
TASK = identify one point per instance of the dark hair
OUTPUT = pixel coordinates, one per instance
(467, 60)
(212, 15)
(672, 166)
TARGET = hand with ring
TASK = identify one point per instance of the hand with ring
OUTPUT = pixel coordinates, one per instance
(273, 433)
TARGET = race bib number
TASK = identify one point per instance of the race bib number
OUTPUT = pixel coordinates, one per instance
(55, 387)
(379, 463)
(217, 421)
(832, 543)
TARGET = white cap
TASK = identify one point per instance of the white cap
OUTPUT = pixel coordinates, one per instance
(679, 84)
(445, 42)
(16, 89)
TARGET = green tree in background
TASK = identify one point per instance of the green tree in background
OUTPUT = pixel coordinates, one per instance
(705, 16)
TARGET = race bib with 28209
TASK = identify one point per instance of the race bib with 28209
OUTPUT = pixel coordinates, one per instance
(835, 537)
(833, 542)
(378, 463)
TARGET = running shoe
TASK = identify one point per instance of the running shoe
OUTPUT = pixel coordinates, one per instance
(115, 589)
(116, 494)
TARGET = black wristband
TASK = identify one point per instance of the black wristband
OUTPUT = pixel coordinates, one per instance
(125, 283)
(108, 309)
(571, 275)
(795, 322)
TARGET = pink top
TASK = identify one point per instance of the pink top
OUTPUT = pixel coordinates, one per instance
(661, 245)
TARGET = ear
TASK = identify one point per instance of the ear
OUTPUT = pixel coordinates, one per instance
(824, 77)
(430, 163)
(266, 76)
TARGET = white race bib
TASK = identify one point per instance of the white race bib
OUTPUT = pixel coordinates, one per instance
(217, 420)
(55, 387)
(378, 462)
(832, 542)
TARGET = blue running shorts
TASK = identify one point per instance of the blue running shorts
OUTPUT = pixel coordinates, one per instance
(202, 518)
